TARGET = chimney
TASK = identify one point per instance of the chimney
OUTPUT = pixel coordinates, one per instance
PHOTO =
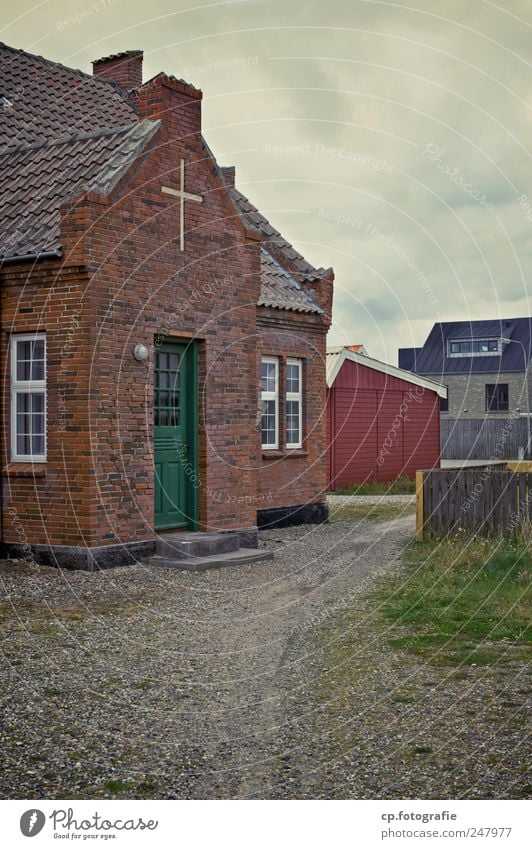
(122, 68)
(228, 172)
(176, 103)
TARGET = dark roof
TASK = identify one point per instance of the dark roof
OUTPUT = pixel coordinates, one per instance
(50, 100)
(279, 288)
(132, 54)
(36, 179)
(64, 131)
(432, 357)
(255, 219)
(407, 358)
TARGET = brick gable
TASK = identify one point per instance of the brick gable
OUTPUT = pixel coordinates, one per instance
(122, 279)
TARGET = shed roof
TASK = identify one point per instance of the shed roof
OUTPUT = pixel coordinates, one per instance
(336, 357)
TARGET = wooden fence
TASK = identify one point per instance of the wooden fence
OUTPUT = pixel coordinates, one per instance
(483, 439)
(487, 502)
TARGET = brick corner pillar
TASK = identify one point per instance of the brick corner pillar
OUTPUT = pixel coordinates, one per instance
(125, 68)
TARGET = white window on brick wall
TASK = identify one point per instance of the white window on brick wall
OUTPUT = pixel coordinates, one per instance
(294, 403)
(28, 397)
(270, 402)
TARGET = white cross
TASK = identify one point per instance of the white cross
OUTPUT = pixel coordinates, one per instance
(183, 196)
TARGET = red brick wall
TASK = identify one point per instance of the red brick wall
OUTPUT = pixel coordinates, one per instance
(144, 286)
(126, 70)
(291, 477)
(125, 281)
(53, 502)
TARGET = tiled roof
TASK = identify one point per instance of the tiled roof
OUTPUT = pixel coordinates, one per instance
(63, 131)
(255, 219)
(280, 290)
(432, 357)
(36, 179)
(49, 100)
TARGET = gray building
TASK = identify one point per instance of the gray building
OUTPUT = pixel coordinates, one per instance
(486, 366)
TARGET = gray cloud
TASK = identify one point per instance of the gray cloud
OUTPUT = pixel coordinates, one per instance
(351, 93)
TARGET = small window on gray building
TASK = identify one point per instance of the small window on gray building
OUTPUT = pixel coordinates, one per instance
(473, 347)
(444, 403)
(497, 398)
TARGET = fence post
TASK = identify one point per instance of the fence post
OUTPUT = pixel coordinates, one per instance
(419, 506)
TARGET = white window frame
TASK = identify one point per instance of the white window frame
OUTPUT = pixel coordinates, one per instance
(295, 396)
(26, 386)
(272, 396)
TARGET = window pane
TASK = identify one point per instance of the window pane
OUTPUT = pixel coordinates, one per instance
(268, 423)
(30, 360)
(292, 377)
(37, 442)
(497, 397)
(23, 369)
(268, 377)
(30, 423)
(23, 402)
(493, 345)
(293, 435)
(23, 444)
(37, 370)
(37, 402)
(23, 360)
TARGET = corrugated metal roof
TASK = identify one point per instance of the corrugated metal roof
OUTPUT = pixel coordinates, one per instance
(432, 357)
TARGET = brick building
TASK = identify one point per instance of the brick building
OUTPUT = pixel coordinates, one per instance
(163, 346)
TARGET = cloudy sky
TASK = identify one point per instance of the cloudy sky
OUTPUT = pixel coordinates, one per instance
(391, 140)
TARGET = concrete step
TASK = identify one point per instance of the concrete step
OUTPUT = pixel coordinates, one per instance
(177, 546)
(200, 564)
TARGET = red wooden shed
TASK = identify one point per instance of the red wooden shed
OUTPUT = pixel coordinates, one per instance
(383, 422)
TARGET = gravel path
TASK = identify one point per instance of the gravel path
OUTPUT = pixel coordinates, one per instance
(146, 682)
(341, 500)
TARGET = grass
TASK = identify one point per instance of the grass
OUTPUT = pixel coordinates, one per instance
(359, 512)
(401, 486)
(115, 785)
(463, 601)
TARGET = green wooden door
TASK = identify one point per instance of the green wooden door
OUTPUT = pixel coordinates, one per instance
(174, 436)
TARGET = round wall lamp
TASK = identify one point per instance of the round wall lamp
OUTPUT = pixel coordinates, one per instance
(141, 353)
